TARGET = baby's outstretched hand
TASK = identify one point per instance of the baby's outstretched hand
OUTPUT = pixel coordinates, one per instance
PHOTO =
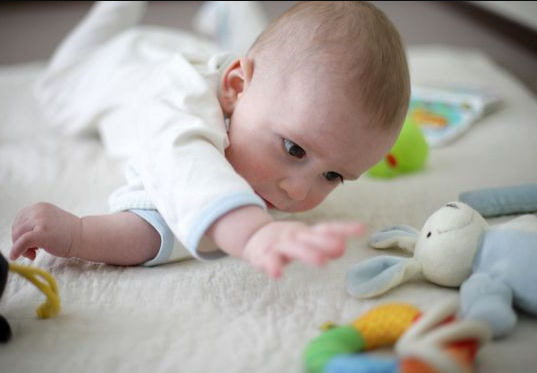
(277, 243)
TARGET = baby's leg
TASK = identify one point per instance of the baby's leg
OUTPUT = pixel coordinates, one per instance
(105, 20)
(122, 238)
(63, 90)
(233, 24)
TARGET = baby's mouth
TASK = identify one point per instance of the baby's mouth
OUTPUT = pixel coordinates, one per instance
(268, 203)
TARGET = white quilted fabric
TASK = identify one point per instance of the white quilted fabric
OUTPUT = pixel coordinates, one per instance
(224, 316)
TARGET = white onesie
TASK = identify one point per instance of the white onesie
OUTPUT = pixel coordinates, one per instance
(151, 93)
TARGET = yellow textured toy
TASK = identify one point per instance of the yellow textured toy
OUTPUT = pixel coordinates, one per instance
(42, 280)
(431, 342)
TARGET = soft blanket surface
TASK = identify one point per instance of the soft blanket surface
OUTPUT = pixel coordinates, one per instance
(225, 316)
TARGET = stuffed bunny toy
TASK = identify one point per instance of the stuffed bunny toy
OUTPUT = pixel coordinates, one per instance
(495, 266)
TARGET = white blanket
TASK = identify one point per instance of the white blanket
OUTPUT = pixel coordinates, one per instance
(224, 316)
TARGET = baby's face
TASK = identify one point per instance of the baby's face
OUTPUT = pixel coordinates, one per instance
(294, 143)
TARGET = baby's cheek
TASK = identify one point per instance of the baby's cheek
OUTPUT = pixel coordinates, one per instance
(314, 200)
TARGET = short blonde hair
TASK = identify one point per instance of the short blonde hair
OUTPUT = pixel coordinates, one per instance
(371, 59)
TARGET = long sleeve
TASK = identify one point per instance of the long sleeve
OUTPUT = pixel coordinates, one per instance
(182, 163)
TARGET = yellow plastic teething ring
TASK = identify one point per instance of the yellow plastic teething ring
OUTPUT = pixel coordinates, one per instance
(44, 282)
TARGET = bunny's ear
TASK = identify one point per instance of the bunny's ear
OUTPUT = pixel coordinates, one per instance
(377, 275)
(395, 236)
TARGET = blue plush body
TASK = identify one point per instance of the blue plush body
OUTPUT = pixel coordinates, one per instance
(504, 274)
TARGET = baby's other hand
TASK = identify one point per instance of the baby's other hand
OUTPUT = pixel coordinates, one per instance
(46, 226)
(277, 243)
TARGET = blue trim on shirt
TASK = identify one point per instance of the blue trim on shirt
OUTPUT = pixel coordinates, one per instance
(154, 218)
(210, 214)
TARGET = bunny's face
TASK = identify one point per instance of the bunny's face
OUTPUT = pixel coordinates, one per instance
(443, 252)
(448, 243)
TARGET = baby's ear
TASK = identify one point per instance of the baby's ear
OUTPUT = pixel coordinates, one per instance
(377, 275)
(234, 81)
(395, 236)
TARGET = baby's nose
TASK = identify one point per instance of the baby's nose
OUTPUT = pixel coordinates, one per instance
(297, 188)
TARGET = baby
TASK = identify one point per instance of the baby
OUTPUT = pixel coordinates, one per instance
(319, 98)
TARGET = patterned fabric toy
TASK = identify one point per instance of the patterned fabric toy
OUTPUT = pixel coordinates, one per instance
(432, 342)
(495, 266)
(42, 280)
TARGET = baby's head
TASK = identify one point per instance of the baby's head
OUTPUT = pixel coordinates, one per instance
(319, 98)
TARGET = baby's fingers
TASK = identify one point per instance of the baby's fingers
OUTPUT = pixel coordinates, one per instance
(22, 245)
(31, 253)
(304, 252)
(19, 227)
(341, 228)
(332, 246)
(272, 265)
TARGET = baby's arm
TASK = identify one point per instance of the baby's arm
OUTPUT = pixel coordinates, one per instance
(126, 239)
(250, 233)
(122, 238)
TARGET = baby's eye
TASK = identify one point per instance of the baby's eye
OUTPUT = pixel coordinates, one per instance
(332, 176)
(293, 149)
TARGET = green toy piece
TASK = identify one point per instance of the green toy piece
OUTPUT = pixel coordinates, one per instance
(408, 154)
(336, 340)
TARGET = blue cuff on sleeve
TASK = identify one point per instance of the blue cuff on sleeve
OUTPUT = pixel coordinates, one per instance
(166, 236)
(210, 214)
